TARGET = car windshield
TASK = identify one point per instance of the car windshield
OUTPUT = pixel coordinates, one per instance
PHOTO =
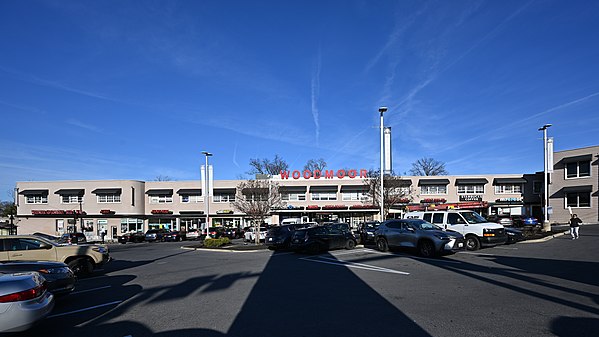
(473, 217)
(371, 225)
(424, 225)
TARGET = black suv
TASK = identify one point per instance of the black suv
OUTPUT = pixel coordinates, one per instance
(279, 237)
(323, 238)
(366, 231)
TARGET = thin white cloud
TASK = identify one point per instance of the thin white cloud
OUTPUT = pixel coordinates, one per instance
(82, 125)
(23, 108)
(315, 93)
(235, 156)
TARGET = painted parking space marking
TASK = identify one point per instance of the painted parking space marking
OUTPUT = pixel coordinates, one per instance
(349, 264)
(372, 251)
(88, 290)
(85, 309)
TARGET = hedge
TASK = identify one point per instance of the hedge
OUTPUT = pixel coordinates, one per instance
(215, 243)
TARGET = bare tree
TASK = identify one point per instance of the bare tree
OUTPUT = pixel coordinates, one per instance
(265, 166)
(428, 167)
(314, 165)
(395, 190)
(163, 178)
(257, 198)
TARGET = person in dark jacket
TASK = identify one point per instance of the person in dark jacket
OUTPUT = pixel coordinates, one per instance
(574, 225)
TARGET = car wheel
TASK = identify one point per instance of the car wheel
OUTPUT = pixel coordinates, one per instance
(81, 266)
(472, 243)
(350, 244)
(426, 249)
(381, 244)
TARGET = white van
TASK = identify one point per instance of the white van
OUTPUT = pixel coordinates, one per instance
(477, 231)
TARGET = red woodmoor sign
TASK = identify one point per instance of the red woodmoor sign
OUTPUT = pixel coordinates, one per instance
(326, 174)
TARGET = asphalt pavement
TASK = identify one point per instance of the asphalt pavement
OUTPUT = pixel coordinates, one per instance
(545, 288)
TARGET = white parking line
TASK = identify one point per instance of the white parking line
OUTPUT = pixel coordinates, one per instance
(87, 290)
(85, 309)
(352, 265)
(410, 256)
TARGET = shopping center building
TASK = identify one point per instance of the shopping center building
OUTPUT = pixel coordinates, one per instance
(119, 206)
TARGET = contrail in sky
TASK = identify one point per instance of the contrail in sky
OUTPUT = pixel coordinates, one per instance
(315, 94)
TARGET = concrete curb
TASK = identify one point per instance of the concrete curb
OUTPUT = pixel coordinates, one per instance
(545, 238)
(223, 250)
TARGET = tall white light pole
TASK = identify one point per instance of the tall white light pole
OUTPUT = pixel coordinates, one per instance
(207, 190)
(382, 110)
(546, 225)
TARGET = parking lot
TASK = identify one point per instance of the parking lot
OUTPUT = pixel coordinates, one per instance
(528, 289)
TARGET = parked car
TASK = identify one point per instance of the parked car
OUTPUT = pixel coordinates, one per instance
(427, 239)
(322, 238)
(514, 235)
(232, 233)
(24, 300)
(72, 238)
(153, 235)
(82, 259)
(366, 231)
(193, 234)
(215, 232)
(132, 237)
(524, 220)
(279, 237)
(60, 279)
(175, 236)
(250, 235)
(47, 236)
(502, 219)
(477, 231)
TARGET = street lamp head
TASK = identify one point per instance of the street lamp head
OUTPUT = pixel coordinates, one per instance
(383, 109)
(544, 127)
(206, 153)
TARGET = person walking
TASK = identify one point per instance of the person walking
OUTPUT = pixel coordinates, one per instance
(574, 224)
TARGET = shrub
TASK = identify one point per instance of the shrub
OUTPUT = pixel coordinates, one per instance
(215, 243)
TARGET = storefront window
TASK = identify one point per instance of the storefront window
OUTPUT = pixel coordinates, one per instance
(508, 189)
(433, 189)
(132, 225)
(471, 189)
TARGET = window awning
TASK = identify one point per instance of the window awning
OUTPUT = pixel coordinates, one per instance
(354, 188)
(115, 190)
(433, 182)
(72, 191)
(514, 180)
(30, 192)
(188, 191)
(329, 188)
(225, 190)
(255, 191)
(580, 188)
(584, 157)
(471, 181)
(292, 189)
(160, 192)
(191, 212)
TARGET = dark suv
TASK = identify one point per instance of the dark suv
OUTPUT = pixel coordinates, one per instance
(323, 238)
(428, 239)
(156, 235)
(279, 237)
(366, 231)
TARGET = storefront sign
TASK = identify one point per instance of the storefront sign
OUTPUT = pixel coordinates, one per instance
(363, 207)
(161, 211)
(509, 200)
(224, 211)
(57, 212)
(107, 212)
(334, 207)
(471, 198)
(326, 174)
(312, 207)
(433, 200)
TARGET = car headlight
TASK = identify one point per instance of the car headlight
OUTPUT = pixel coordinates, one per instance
(101, 250)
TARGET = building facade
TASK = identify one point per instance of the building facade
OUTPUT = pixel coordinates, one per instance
(114, 207)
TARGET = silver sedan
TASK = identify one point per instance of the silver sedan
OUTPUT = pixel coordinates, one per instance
(24, 300)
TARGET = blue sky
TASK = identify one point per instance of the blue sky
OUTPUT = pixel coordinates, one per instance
(137, 89)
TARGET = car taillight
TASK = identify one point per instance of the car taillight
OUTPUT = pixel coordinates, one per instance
(24, 295)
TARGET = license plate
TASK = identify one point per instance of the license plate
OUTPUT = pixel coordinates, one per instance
(269, 239)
